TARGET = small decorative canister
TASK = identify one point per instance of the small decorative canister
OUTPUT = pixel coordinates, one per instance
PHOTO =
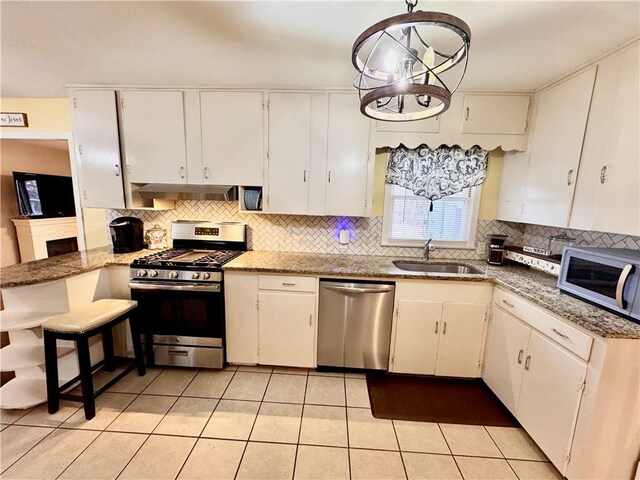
(156, 238)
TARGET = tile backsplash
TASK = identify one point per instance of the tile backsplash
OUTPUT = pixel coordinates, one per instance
(299, 233)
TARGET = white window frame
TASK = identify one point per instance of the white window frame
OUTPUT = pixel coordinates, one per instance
(469, 244)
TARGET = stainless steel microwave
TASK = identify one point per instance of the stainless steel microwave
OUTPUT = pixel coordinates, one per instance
(606, 277)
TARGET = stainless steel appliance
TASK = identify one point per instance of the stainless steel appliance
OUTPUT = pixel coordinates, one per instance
(127, 234)
(495, 249)
(180, 294)
(354, 324)
(606, 277)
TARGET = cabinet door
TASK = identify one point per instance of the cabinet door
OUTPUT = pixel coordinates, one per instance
(607, 194)
(556, 146)
(289, 152)
(232, 137)
(241, 317)
(153, 136)
(347, 157)
(416, 341)
(514, 174)
(460, 343)
(507, 340)
(495, 114)
(95, 132)
(550, 397)
(287, 329)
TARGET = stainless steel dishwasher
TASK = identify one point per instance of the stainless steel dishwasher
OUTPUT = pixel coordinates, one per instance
(354, 324)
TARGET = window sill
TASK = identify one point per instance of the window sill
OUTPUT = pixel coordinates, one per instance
(438, 245)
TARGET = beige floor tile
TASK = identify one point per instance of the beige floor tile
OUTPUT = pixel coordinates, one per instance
(286, 388)
(424, 466)
(318, 463)
(277, 422)
(40, 416)
(322, 425)
(477, 468)
(17, 440)
(209, 384)
(316, 373)
(357, 393)
(515, 443)
(108, 407)
(469, 440)
(325, 390)
(373, 464)
(187, 416)
(159, 457)
(8, 416)
(213, 459)
(291, 370)
(267, 461)
(172, 381)
(106, 457)
(232, 419)
(230, 368)
(255, 368)
(535, 470)
(365, 431)
(143, 414)
(51, 456)
(133, 383)
(421, 437)
(354, 375)
(247, 386)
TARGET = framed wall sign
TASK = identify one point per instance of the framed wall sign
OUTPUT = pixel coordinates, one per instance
(10, 119)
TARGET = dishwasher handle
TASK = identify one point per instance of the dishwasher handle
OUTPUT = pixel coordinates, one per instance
(369, 289)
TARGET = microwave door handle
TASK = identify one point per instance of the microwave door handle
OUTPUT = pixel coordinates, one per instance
(621, 283)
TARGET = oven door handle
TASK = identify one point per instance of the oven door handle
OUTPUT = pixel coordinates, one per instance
(621, 283)
(174, 287)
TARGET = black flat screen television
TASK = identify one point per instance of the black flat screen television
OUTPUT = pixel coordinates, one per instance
(44, 196)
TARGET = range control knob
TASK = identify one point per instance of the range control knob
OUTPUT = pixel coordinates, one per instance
(153, 273)
(142, 273)
(205, 276)
(174, 275)
(195, 275)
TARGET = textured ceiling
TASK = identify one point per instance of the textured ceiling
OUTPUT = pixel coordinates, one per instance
(516, 46)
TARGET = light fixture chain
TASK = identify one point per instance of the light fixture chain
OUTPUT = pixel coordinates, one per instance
(411, 4)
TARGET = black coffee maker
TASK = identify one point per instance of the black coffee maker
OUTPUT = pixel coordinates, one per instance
(127, 234)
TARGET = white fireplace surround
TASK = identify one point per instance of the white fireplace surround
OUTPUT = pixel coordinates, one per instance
(33, 234)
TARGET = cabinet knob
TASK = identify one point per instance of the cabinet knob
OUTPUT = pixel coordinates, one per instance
(304, 176)
(466, 114)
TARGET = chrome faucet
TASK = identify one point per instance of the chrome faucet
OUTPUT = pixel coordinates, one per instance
(428, 247)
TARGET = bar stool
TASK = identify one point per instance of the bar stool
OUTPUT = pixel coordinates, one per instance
(80, 325)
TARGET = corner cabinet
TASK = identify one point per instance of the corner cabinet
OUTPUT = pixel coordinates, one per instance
(434, 333)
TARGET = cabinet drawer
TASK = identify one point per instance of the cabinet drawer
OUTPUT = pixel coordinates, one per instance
(284, 282)
(559, 331)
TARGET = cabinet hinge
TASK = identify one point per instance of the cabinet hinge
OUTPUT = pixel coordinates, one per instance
(393, 360)
(582, 385)
(121, 102)
(522, 208)
(567, 457)
(397, 312)
(80, 149)
(268, 104)
(75, 102)
(267, 154)
(479, 364)
(257, 304)
(84, 194)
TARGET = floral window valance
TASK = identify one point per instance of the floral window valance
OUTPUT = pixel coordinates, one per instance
(436, 173)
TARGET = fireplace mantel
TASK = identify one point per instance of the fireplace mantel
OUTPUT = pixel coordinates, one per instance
(33, 234)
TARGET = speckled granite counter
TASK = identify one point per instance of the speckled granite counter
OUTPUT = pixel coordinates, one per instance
(535, 286)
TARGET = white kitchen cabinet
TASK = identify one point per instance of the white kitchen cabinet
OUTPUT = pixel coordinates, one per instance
(347, 157)
(495, 114)
(287, 328)
(607, 196)
(555, 147)
(511, 190)
(153, 137)
(232, 137)
(241, 317)
(95, 132)
(436, 333)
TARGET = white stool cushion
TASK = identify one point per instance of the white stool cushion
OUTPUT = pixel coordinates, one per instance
(88, 317)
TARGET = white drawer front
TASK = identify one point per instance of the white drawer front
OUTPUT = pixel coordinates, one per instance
(556, 329)
(284, 282)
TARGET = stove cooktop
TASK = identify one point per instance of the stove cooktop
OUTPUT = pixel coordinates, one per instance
(187, 258)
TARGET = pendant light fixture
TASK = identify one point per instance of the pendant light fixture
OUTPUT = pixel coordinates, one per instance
(406, 61)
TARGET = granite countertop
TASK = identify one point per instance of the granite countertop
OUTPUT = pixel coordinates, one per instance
(533, 285)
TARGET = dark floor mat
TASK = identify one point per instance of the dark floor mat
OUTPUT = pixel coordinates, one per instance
(436, 399)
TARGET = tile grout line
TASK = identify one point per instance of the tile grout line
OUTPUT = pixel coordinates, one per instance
(451, 451)
(404, 467)
(346, 417)
(295, 458)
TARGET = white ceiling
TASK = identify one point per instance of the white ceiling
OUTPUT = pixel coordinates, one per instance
(515, 46)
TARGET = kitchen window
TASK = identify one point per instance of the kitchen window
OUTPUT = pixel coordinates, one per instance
(408, 222)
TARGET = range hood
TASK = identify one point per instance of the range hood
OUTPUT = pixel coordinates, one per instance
(188, 192)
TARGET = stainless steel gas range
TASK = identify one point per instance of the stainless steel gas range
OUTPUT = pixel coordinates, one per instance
(180, 293)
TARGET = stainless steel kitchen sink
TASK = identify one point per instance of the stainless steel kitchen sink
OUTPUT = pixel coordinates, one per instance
(436, 267)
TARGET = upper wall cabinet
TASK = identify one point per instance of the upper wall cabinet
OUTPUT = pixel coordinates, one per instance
(95, 132)
(232, 137)
(154, 136)
(555, 147)
(510, 193)
(495, 114)
(607, 196)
